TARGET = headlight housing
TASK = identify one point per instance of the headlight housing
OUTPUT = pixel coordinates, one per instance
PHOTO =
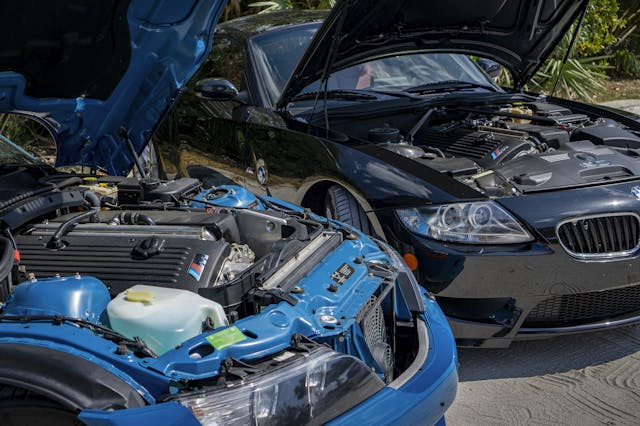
(471, 223)
(309, 390)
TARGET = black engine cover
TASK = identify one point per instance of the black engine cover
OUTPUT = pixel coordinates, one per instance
(122, 261)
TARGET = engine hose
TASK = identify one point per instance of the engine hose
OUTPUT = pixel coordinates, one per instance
(6, 258)
(93, 199)
(132, 218)
(63, 182)
(56, 240)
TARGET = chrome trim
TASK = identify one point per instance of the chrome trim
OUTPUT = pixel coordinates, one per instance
(579, 328)
(598, 256)
(421, 357)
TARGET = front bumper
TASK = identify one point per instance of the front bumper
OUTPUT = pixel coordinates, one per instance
(423, 396)
(420, 396)
(494, 295)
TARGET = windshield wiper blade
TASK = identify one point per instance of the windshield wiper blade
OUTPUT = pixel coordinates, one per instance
(349, 95)
(448, 85)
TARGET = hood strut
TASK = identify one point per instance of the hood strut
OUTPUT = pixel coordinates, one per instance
(567, 55)
(326, 72)
(136, 158)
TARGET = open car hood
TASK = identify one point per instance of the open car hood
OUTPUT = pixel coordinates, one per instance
(519, 34)
(88, 69)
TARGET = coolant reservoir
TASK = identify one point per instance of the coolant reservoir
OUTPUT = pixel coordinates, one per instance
(162, 317)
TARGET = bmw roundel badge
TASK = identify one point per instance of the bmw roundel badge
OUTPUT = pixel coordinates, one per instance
(636, 192)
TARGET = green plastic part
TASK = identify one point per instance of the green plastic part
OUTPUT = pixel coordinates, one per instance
(227, 337)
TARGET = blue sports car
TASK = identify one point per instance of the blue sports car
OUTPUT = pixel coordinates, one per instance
(128, 300)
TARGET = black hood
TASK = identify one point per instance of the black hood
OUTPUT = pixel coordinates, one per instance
(519, 34)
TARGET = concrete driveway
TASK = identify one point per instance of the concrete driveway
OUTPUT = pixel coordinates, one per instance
(631, 105)
(590, 379)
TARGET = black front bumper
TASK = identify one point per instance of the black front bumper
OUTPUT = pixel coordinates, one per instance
(542, 293)
(494, 295)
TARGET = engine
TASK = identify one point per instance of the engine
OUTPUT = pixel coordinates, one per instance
(171, 235)
(510, 149)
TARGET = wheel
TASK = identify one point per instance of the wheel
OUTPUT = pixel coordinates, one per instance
(341, 206)
(19, 407)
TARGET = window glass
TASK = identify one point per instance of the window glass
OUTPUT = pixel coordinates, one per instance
(225, 61)
(278, 52)
(25, 141)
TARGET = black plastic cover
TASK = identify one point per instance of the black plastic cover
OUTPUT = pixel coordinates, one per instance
(608, 134)
(69, 380)
(115, 260)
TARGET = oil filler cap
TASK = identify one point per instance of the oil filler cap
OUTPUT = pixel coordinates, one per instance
(148, 248)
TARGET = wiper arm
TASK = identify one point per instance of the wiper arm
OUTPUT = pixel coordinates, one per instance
(346, 94)
(448, 85)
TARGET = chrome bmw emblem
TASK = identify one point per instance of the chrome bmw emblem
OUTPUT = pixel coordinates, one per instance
(636, 192)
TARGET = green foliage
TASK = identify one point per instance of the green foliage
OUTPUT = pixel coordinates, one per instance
(580, 78)
(272, 6)
(598, 53)
(626, 51)
(599, 28)
(276, 5)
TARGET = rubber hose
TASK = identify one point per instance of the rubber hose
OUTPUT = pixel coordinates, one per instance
(6, 258)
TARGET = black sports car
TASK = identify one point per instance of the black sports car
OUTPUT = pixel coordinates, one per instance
(520, 212)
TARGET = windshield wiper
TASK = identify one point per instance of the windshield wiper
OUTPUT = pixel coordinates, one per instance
(349, 95)
(448, 85)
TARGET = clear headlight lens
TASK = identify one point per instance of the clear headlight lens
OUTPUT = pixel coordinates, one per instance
(471, 223)
(310, 390)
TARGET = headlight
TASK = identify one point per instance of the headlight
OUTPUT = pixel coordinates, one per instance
(472, 223)
(310, 390)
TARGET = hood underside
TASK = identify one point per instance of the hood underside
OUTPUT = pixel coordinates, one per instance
(88, 69)
(519, 34)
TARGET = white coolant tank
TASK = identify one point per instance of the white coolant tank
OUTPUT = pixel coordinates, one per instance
(162, 317)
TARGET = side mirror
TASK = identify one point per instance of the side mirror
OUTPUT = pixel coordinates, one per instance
(492, 68)
(216, 89)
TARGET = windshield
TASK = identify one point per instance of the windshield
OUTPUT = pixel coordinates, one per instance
(277, 53)
(11, 153)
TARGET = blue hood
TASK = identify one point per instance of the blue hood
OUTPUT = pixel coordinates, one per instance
(88, 69)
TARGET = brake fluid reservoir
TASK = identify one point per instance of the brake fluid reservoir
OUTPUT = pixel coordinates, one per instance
(162, 317)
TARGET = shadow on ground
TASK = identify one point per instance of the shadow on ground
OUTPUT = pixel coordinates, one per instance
(557, 355)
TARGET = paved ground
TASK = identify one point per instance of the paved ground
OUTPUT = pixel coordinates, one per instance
(632, 105)
(592, 379)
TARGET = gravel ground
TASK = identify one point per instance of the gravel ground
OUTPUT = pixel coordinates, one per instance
(589, 379)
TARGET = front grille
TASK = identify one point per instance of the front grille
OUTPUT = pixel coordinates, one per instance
(601, 235)
(583, 308)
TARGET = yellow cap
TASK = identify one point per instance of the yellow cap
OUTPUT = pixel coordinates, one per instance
(141, 296)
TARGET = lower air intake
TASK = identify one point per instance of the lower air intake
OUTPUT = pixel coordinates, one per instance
(584, 308)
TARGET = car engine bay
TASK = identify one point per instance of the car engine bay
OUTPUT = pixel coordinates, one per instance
(149, 261)
(508, 149)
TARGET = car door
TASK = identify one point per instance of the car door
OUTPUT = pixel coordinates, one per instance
(225, 142)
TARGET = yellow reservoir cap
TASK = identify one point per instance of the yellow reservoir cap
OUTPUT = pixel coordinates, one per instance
(141, 296)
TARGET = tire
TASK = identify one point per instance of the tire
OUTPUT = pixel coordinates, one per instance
(19, 407)
(341, 206)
